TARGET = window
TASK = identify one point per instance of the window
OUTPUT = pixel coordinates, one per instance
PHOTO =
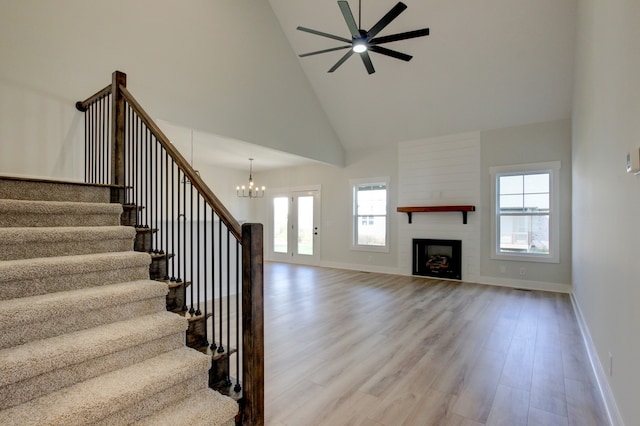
(370, 224)
(525, 209)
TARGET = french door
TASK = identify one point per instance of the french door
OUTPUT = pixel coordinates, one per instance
(294, 234)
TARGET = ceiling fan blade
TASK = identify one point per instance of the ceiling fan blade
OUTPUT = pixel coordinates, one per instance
(389, 52)
(386, 19)
(320, 33)
(341, 61)
(367, 62)
(324, 51)
(400, 36)
(348, 17)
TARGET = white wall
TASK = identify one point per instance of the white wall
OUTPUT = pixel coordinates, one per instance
(533, 143)
(222, 66)
(336, 211)
(447, 170)
(606, 201)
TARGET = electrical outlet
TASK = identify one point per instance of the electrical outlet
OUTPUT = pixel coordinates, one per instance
(523, 271)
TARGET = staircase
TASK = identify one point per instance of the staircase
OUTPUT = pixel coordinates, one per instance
(85, 337)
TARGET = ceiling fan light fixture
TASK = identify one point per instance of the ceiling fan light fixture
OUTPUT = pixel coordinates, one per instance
(359, 46)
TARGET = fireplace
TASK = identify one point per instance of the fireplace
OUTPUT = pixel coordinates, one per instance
(437, 258)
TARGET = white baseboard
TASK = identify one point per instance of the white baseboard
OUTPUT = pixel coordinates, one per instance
(525, 284)
(615, 419)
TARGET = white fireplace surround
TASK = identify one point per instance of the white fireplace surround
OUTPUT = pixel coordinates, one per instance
(441, 171)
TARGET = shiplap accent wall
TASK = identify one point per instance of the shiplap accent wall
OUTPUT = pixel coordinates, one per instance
(435, 172)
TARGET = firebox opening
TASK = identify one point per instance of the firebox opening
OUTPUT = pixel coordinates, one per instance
(437, 258)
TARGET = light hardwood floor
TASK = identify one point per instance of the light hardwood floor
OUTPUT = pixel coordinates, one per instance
(355, 348)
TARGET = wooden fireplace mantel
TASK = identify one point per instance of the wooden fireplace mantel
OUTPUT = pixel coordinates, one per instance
(429, 209)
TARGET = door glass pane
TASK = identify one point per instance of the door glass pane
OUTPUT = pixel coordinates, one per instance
(305, 225)
(280, 224)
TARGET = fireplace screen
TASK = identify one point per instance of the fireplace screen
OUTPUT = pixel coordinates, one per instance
(437, 258)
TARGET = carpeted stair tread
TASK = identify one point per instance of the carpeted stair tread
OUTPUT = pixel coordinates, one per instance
(31, 242)
(90, 401)
(29, 277)
(21, 362)
(205, 408)
(22, 213)
(51, 190)
(37, 317)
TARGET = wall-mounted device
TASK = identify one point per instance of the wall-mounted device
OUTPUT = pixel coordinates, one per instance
(633, 162)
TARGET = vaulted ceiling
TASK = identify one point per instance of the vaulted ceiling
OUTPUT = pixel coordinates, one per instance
(486, 64)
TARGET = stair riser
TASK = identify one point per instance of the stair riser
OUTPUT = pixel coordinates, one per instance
(21, 392)
(141, 409)
(175, 299)
(32, 250)
(37, 220)
(158, 268)
(56, 283)
(143, 242)
(68, 322)
(131, 391)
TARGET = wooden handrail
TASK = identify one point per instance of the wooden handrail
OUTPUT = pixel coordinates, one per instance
(224, 214)
(84, 105)
(249, 236)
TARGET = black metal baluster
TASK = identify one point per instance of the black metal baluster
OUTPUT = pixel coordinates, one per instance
(182, 260)
(177, 255)
(205, 341)
(129, 166)
(162, 173)
(103, 138)
(194, 281)
(228, 380)
(99, 139)
(136, 200)
(150, 176)
(176, 250)
(158, 203)
(147, 160)
(198, 253)
(94, 132)
(220, 334)
(107, 141)
(87, 146)
(213, 281)
(173, 222)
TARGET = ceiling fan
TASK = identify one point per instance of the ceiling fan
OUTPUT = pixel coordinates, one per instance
(362, 42)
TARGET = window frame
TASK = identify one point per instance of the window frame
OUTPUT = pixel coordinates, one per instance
(553, 169)
(355, 218)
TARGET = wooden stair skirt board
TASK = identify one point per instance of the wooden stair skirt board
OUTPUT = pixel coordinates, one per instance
(85, 336)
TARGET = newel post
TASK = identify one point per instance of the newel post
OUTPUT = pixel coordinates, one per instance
(118, 134)
(252, 407)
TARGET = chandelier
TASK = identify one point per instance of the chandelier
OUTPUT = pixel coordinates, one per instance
(252, 191)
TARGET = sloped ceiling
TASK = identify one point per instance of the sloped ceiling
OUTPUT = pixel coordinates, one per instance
(486, 64)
